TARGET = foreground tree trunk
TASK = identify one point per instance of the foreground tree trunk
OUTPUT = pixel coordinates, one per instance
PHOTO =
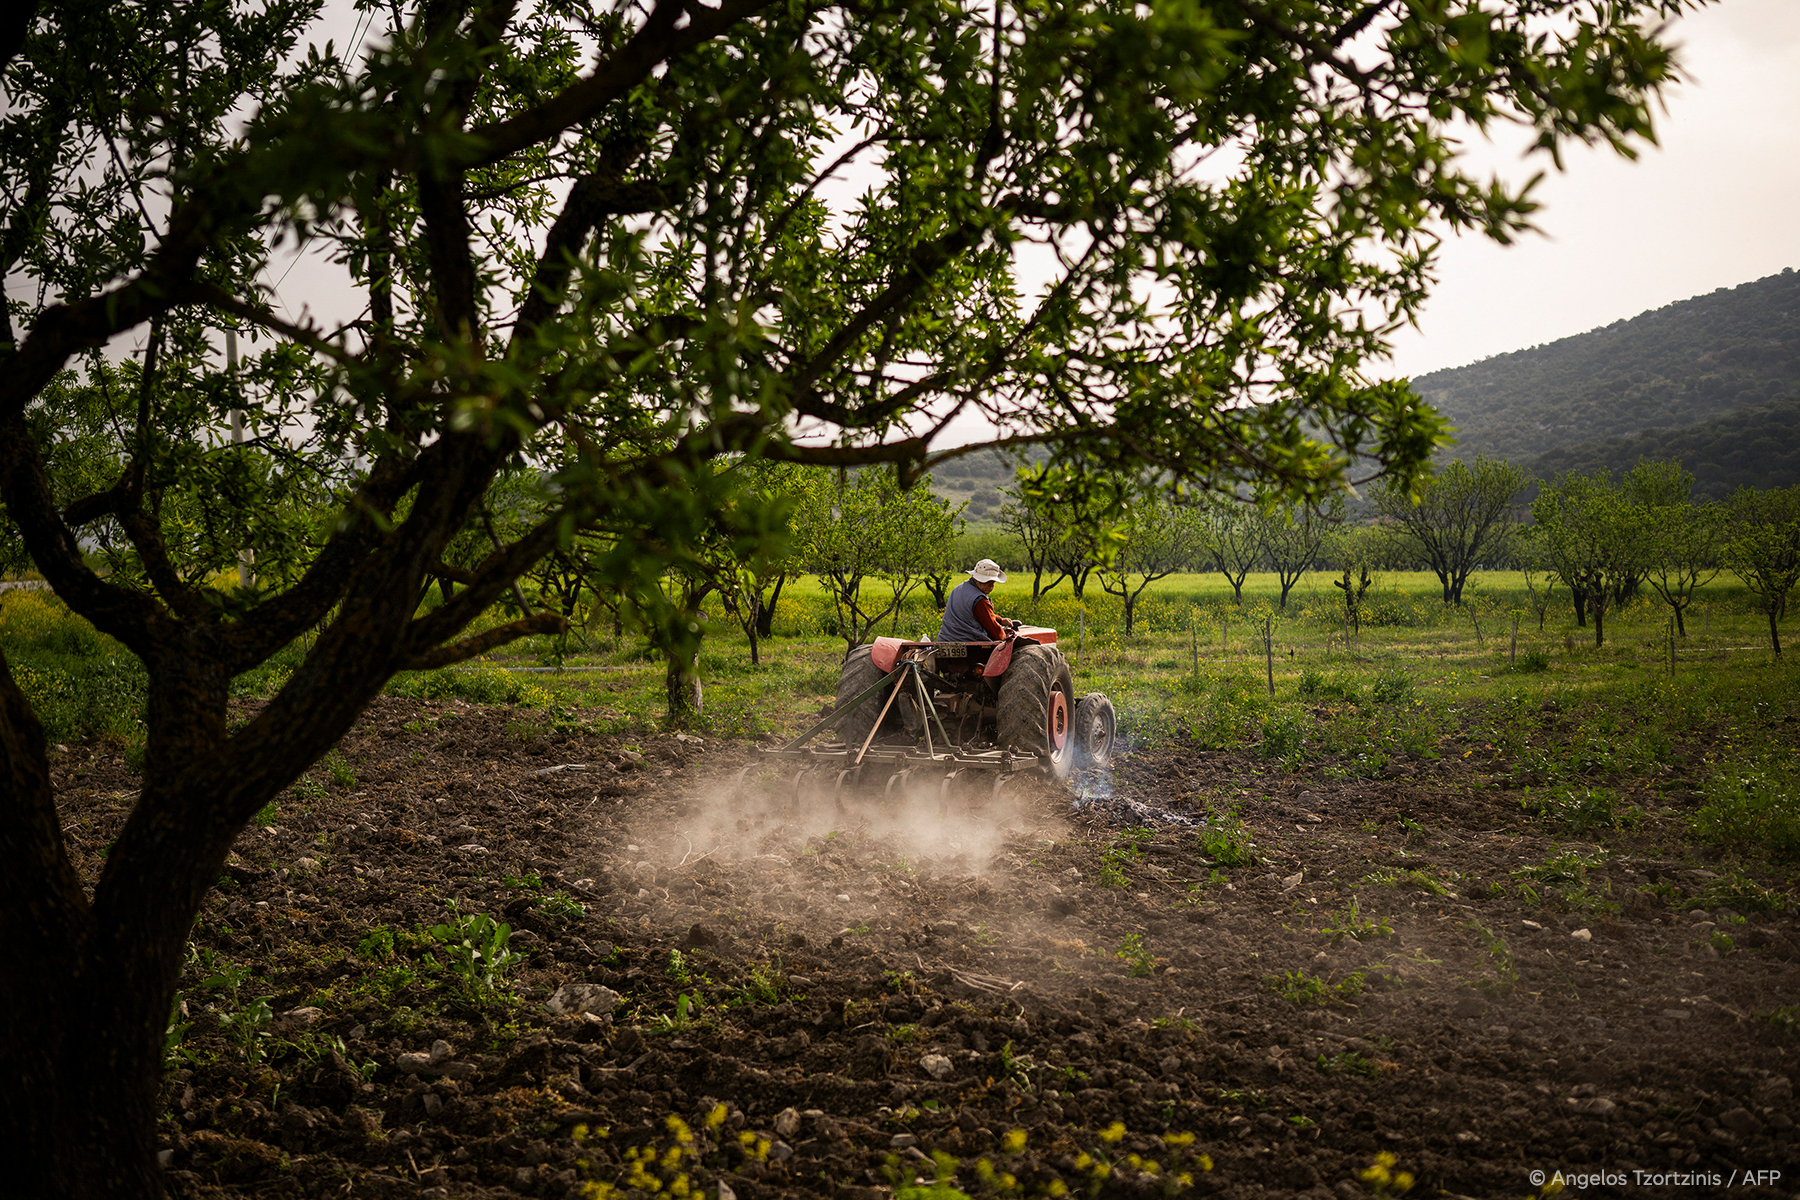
(88, 986)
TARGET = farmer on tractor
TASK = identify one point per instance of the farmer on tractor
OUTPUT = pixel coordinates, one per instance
(969, 616)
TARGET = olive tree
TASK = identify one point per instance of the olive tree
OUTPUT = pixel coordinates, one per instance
(594, 239)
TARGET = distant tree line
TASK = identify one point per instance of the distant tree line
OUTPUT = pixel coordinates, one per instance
(1602, 538)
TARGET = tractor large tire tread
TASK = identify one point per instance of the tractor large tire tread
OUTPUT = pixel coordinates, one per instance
(1024, 701)
(857, 675)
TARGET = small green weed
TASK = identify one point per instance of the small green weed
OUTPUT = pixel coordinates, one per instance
(1125, 848)
(760, 986)
(1582, 810)
(475, 947)
(1753, 804)
(1303, 989)
(1530, 662)
(1786, 1018)
(1352, 924)
(687, 1010)
(377, 945)
(338, 768)
(1395, 877)
(245, 1023)
(1281, 739)
(1346, 1062)
(1565, 868)
(1506, 974)
(1017, 1066)
(1131, 949)
(1393, 687)
(1225, 840)
(1735, 890)
(560, 906)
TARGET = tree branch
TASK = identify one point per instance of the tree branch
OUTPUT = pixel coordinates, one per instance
(481, 643)
(655, 43)
(592, 200)
(62, 329)
(302, 335)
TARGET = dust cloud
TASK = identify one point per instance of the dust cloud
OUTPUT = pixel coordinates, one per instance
(962, 826)
(804, 859)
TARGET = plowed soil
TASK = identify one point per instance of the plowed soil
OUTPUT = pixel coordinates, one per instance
(844, 999)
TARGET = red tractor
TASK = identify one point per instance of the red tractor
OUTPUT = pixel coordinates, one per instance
(1002, 706)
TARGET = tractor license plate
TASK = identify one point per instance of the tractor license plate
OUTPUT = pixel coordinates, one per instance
(952, 650)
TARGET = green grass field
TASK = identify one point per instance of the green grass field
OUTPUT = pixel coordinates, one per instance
(1602, 729)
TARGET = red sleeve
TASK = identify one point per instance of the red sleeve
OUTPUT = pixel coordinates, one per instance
(984, 612)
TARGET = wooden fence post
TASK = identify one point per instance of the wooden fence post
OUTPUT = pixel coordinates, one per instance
(1269, 650)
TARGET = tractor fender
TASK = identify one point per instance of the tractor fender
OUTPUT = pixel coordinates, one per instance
(885, 652)
(1002, 655)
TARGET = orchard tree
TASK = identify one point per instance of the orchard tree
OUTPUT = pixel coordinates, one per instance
(1455, 519)
(1683, 555)
(1234, 538)
(1762, 548)
(853, 528)
(1293, 537)
(594, 240)
(1356, 553)
(1156, 537)
(1598, 539)
(1062, 517)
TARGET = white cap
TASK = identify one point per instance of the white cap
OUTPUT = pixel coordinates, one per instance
(987, 570)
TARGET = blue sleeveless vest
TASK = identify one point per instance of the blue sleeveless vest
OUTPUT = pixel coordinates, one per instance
(960, 624)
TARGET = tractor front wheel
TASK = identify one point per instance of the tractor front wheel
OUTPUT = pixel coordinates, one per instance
(1036, 708)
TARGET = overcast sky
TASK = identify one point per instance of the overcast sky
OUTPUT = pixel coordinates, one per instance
(1716, 205)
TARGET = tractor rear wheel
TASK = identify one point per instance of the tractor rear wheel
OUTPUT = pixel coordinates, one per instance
(1036, 707)
(859, 673)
